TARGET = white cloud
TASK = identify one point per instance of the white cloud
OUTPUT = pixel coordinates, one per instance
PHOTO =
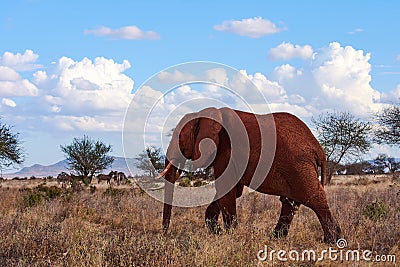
(357, 30)
(252, 27)
(20, 62)
(392, 96)
(8, 74)
(398, 58)
(69, 95)
(13, 85)
(83, 123)
(272, 91)
(8, 102)
(127, 33)
(287, 51)
(175, 77)
(86, 86)
(338, 78)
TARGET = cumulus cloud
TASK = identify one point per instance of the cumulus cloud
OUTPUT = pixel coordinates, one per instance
(68, 95)
(392, 96)
(127, 33)
(251, 27)
(83, 123)
(13, 85)
(287, 51)
(86, 86)
(398, 58)
(338, 78)
(174, 77)
(20, 62)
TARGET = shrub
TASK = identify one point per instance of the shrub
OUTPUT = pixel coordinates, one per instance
(185, 182)
(376, 210)
(199, 183)
(41, 192)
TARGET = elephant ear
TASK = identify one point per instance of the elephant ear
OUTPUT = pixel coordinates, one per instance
(206, 139)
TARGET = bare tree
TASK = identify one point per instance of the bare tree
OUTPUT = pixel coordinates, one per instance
(150, 160)
(11, 153)
(388, 131)
(343, 138)
(87, 157)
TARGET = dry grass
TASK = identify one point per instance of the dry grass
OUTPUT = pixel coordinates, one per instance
(121, 227)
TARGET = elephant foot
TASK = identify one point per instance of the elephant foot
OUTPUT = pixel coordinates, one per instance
(280, 232)
(333, 235)
(213, 226)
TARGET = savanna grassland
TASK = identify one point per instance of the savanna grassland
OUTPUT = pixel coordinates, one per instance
(121, 226)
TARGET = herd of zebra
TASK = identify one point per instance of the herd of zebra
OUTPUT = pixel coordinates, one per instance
(118, 177)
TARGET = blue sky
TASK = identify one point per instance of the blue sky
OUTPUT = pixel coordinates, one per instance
(344, 53)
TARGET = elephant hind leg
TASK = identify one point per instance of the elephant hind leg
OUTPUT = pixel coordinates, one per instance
(319, 205)
(212, 214)
(288, 210)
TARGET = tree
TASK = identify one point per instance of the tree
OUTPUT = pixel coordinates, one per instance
(388, 131)
(343, 138)
(11, 153)
(150, 160)
(87, 157)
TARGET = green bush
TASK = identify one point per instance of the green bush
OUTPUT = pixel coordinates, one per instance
(199, 183)
(185, 182)
(32, 198)
(39, 193)
(376, 210)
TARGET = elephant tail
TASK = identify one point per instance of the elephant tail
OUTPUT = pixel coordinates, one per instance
(321, 162)
(323, 171)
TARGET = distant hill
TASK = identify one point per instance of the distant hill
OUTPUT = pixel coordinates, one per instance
(38, 170)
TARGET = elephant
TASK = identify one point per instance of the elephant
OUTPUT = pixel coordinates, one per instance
(236, 143)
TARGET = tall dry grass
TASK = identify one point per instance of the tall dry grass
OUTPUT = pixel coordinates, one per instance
(121, 227)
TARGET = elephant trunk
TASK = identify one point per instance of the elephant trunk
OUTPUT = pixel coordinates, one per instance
(171, 173)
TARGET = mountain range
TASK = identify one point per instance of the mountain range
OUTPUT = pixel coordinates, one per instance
(120, 164)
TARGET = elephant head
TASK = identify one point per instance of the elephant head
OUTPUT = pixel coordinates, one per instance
(195, 138)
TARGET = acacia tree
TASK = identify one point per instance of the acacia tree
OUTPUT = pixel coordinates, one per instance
(388, 131)
(11, 153)
(150, 160)
(343, 138)
(87, 157)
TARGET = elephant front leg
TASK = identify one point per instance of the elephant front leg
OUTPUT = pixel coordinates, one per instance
(212, 214)
(289, 208)
(227, 205)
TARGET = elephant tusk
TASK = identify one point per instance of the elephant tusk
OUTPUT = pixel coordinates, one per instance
(164, 171)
